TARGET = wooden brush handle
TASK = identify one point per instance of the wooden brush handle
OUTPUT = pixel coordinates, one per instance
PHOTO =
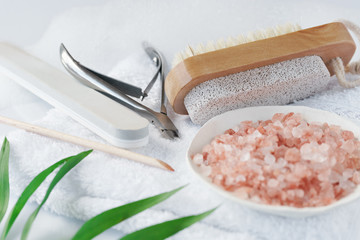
(327, 41)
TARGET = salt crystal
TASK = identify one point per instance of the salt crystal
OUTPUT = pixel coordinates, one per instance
(298, 131)
(198, 159)
(300, 170)
(229, 181)
(281, 178)
(292, 155)
(324, 148)
(272, 183)
(253, 166)
(240, 178)
(334, 177)
(269, 159)
(347, 135)
(356, 177)
(317, 133)
(227, 147)
(245, 156)
(283, 160)
(272, 192)
(240, 140)
(205, 170)
(314, 152)
(348, 146)
(348, 173)
(243, 192)
(332, 161)
(324, 175)
(218, 179)
(252, 137)
(236, 128)
(277, 117)
(278, 124)
(292, 178)
(346, 185)
(290, 194)
(299, 193)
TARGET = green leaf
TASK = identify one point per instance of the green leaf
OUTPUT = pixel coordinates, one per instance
(166, 229)
(70, 163)
(107, 219)
(4, 178)
(27, 193)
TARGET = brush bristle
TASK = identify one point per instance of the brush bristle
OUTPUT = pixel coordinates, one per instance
(234, 41)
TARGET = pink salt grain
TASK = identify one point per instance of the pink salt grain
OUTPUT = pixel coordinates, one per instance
(283, 161)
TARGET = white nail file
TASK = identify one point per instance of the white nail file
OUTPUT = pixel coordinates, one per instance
(105, 117)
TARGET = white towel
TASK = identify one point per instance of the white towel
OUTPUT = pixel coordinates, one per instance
(102, 181)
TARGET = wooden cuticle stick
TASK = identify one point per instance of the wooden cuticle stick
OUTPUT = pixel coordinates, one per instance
(87, 143)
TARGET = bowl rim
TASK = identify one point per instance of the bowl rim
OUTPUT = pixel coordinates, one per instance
(274, 209)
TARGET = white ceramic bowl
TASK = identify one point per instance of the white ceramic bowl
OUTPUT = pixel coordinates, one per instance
(221, 123)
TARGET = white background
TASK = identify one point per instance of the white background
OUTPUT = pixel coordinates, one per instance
(24, 22)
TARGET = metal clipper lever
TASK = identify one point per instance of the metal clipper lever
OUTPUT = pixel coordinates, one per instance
(119, 91)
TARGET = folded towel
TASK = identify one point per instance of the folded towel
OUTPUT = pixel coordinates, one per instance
(102, 181)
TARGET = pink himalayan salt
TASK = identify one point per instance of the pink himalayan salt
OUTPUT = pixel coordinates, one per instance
(283, 161)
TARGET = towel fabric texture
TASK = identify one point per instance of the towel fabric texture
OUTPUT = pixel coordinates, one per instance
(103, 181)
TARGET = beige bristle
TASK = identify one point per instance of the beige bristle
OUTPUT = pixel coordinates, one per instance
(231, 41)
(250, 37)
(199, 49)
(278, 29)
(178, 58)
(220, 44)
(241, 39)
(270, 33)
(188, 52)
(260, 35)
(210, 46)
